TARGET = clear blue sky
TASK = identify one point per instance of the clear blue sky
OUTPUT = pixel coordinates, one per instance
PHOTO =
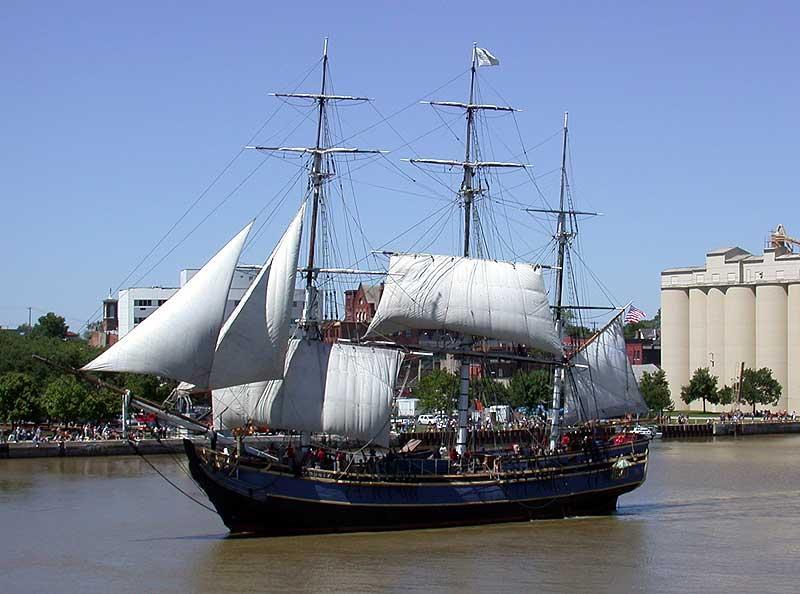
(684, 118)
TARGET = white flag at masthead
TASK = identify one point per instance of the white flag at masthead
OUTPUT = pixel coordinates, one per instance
(485, 58)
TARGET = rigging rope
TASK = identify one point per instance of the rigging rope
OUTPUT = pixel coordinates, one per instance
(170, 482)
(202, 194)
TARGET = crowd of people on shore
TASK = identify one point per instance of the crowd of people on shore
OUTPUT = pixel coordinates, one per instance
(37, 434)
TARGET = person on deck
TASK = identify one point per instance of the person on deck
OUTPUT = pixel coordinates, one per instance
(321, 458)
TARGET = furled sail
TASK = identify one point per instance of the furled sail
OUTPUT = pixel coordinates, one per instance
(178, 340)
(252, 344)
(342, 389)
(500, 300)
(601, 385)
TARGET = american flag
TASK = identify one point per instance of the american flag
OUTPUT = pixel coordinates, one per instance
(634, 315)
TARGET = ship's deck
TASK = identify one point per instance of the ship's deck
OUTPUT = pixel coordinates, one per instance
(479, 469)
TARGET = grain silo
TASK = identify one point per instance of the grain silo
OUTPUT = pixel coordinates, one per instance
(738, 308)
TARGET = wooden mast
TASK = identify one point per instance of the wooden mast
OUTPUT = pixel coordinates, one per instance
(317, 176)
(470, 165)
(562, 237)
(467, 193)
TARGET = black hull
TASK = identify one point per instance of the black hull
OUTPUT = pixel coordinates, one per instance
(254, 511)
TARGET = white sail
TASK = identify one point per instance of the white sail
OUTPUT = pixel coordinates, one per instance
(179, 338)
(252, 344)
(601, 385)
(359, 392)
(499, 300)
(294, 402)
(342, 389)
(230, 407)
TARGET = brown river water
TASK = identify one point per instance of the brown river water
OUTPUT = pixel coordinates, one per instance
(721, 516)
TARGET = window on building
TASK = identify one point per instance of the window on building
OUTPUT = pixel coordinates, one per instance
(731, 277)
(701, 278)
(161, 302)
(779, 274)
(142, 302)
(715, 278)
(138, 320)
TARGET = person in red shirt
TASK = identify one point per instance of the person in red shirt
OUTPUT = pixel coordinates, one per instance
(320, 458)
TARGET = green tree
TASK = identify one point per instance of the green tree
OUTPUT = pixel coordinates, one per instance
(100, 405)
(50, 325)
(148, 387)
(724, 395)
(18, 398)
(16, 355)
(488, 391)
(530, 389)
(63, 399)
(655, 391)
(759, 387)
(437, 391)
(702, 386)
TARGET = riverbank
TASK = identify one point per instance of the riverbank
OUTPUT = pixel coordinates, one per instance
(113, 447)
(721, 429)
(118, 447)
(110, 447)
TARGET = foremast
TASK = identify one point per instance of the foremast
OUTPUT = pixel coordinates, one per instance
(318, 175)
(309, 321)
(468, 192)
(466, 195)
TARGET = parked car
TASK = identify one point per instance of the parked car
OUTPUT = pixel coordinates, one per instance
(427, 419)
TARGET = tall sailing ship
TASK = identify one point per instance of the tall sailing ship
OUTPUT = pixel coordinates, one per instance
(342, 473)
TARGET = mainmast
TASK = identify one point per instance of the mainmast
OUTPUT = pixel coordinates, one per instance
(469, 169)
(562, 237)
(470, 165)
(466, 195)
(317, 176)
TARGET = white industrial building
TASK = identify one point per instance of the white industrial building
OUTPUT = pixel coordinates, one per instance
(738, 308)
(136, 303)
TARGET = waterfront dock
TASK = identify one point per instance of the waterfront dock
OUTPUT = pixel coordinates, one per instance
(720, 429)
(113, 447)
(110, 447)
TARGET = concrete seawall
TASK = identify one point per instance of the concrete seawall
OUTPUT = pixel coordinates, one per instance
(722, 429)
(116, 447)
